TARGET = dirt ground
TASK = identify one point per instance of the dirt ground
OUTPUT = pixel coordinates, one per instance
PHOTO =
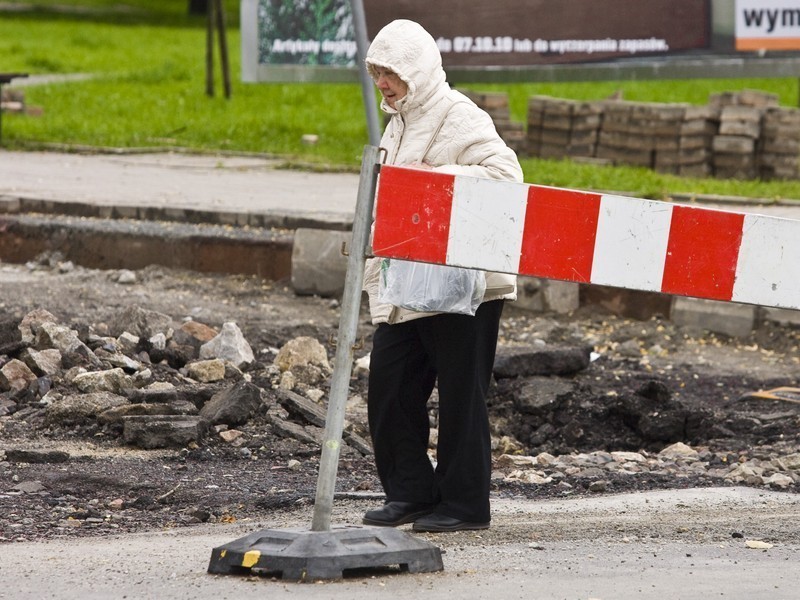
(108, 488)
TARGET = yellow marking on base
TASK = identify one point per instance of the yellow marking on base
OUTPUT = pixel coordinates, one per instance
(250, 558)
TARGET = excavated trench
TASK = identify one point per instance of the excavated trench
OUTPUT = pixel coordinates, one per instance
(133, 244)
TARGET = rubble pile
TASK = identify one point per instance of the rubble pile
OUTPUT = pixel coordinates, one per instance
(560, 414)
(154, 384)
(552, 420)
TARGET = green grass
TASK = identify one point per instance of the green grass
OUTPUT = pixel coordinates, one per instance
(643, 182)
(125, 12)
(147, 62)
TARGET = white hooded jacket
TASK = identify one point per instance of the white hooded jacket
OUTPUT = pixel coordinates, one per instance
(438, 126)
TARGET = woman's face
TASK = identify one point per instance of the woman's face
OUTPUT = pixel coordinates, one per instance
(390, 85)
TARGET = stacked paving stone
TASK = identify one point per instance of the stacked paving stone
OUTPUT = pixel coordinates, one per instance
(535, 118)
(672, 138)
(735, 145)
(684, 146)
(549, 126)
(779, 147)
(560, 128)
(626, 134)
(496, 104)
(741, 135)
(585, 129)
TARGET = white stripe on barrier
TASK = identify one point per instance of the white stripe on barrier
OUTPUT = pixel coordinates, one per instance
(486, 224)
(768, 271)
(631, 243)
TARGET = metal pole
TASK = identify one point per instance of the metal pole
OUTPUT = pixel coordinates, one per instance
(210, 48)
(348, 325)
(367, 85)
(223, 49)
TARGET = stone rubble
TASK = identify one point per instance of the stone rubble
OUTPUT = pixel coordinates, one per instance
(156, 385)
(676, 460)
(153, 384)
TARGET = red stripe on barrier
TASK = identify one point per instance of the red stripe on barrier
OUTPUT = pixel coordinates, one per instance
(702, 253)
(560, 230)
(412, 214)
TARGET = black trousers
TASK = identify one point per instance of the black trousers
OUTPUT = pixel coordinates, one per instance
(407, 361)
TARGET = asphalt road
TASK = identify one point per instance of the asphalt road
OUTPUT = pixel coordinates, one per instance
(651, 545)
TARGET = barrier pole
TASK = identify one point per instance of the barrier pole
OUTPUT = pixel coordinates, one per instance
(348, 325)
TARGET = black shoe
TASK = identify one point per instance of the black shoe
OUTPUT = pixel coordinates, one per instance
(396, 513)
(437, 522)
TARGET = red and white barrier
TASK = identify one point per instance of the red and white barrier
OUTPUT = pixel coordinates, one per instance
(587, 238)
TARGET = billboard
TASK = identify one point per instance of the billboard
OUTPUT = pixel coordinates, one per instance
(511, 33)
(767, 25)
(306, 32)
(281, 36)
(522, 40)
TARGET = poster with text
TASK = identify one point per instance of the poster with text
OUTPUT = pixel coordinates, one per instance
(529, 32)
(767, 25)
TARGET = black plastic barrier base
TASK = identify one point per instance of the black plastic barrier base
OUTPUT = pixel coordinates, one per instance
(306, 556)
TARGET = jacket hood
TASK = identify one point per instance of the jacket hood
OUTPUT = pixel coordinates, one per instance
(406, 48)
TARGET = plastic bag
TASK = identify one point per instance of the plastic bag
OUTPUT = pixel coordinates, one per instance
(425, 287)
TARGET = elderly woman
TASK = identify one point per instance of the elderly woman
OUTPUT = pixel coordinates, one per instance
(432, 126)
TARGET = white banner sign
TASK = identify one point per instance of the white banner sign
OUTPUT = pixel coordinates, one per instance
(767, 25)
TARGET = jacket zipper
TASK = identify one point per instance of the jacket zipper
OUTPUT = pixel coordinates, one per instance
(399, 141)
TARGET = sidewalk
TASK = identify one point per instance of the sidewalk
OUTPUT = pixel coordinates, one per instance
(667, 545)
(226, 189)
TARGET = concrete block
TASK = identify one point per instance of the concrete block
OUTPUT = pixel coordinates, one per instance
(162, 431)
(545, 295)
(9, 204)
(729, 318)
(632, 304)
(126, 212)
(782, 316)
(318, 265)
